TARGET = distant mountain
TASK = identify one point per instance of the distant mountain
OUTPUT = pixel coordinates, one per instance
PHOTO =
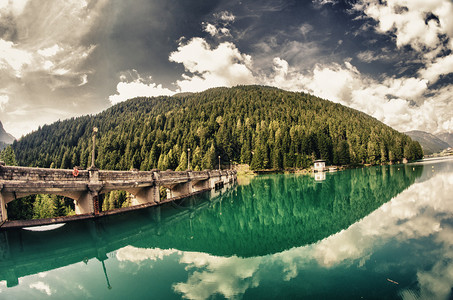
(429, 142)
(5, 137)
(446, 137)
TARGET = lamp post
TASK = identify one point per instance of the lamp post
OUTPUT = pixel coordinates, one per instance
(188, 158)
(95, 130)
(219, 162)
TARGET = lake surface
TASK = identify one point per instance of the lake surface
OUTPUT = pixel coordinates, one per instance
(372, 233)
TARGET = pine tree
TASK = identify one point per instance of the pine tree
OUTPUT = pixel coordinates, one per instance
(43, 207)
(182, 162)
(8, 157)
(208, 161)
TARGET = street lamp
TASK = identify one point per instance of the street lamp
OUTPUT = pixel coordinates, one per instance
(95, 130)
(219, 162)
(188, 158)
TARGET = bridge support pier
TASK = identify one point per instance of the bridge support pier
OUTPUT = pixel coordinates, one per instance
(200, 185)
(84, 204)
(180, 189)
(3, 211)
(145, 195)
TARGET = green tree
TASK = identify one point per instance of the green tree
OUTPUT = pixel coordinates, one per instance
(182, 162)
(209, 161)
(8, 157)
(43, 207)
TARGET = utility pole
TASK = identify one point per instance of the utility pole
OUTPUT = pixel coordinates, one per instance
(219, 162)
(188, 158)
(95, 130)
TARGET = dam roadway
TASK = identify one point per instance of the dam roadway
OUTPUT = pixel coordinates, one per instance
(86, 186)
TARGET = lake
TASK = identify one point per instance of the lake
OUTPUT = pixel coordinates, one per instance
(382, 232)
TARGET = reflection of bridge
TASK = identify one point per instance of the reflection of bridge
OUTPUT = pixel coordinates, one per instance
(24, 252)
(88, 185)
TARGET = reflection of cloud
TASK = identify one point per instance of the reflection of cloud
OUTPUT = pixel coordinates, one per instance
(436, 283)
(412, 214)
(418, 212)
(229, 277)
(133, 254)
(42, 287)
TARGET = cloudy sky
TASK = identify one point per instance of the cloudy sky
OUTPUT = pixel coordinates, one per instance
(392, 60)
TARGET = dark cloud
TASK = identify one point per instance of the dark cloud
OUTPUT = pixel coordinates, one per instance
(68, 58)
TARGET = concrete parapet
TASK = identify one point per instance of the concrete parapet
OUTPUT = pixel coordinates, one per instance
(41, 174)
(126, 176)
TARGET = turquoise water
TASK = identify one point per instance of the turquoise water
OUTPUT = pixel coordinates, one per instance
(373, 233)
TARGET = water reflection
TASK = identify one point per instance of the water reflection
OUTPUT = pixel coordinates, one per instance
(416, 227)
(279, 236)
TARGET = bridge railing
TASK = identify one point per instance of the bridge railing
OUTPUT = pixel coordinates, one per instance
(37, 174)
(126, 175)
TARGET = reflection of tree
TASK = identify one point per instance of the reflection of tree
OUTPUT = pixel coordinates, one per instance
(271, 214)
(278, 212)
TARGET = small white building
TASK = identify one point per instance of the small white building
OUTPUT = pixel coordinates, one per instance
(319, 165)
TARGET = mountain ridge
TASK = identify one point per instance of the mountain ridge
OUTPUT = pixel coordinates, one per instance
(5, 138)
(429, 142)
(265, 127)
(447, 137)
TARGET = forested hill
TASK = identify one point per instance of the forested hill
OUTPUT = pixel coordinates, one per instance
(265, 127)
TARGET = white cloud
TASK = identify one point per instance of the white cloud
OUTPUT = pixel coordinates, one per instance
(408, 88)
(3, 101)
(370, 56)
(42, 51)
(211, 29)
(13, 58)
(83, 79)
(409, 22)
(408, 19)
(221, 66)
(51, 51)
(206, 67)
(401, 103)
(225, 16)
(320, 3)
(334, 83)
(305, 29)
(440, 66)
(214, 31)
(139, 87)
(14, 7)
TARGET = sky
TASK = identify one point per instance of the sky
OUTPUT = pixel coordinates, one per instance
(390, 59)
